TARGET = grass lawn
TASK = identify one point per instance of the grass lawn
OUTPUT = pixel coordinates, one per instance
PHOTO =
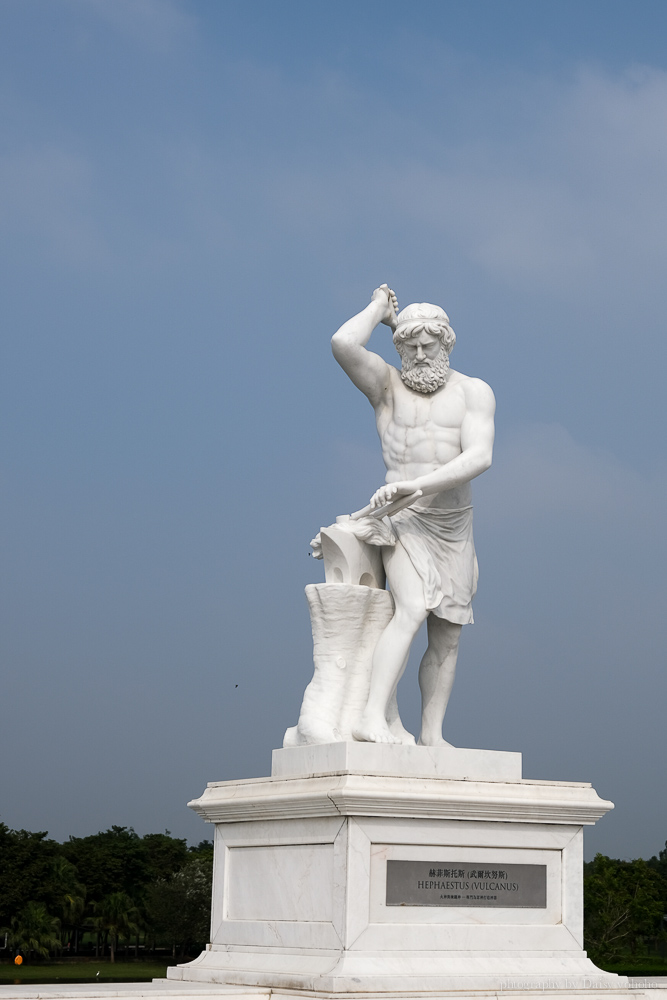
(82, 971)
(85, 970)
(638, 965)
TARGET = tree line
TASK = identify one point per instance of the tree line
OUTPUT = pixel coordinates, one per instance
(91, 895)
(625, 908)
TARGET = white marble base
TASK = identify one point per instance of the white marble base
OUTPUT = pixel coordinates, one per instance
(301, 867)
(387, 759)
(168, 989)
(156, 990)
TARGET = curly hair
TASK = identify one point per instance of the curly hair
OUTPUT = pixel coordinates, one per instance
(423, 317)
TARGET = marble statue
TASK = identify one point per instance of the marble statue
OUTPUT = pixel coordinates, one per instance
(436, 429)
(365, 866)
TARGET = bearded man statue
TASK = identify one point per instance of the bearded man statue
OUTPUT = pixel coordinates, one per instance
(436, 428)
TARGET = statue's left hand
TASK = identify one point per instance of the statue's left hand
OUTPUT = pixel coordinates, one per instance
(392, 491)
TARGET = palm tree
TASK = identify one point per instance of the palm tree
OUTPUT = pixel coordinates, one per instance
(117, 916)
(34, 930)
(71, 898)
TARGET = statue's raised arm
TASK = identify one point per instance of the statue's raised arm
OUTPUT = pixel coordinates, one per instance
(368, 371)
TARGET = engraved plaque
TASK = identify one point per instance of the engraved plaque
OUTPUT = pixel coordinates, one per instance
(465, 883)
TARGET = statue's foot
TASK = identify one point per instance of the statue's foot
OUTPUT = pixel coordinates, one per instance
(434, 741)
(401, 735)
(371, 730)
(314, 732)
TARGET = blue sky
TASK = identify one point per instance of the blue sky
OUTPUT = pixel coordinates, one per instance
(193, 196)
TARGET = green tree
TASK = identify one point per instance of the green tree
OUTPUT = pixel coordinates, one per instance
(623, 904)
(660, 863)
(26, 870)
(118, 860)
(180, 906)
(34, 930)
(68, 896)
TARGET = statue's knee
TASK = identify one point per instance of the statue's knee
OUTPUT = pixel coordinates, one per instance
(447, 637)
(410, 616)
(444, 634)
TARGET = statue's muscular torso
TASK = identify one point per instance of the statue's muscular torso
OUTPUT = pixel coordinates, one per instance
(420, 432)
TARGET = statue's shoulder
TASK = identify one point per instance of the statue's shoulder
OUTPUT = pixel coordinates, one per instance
(478, 393)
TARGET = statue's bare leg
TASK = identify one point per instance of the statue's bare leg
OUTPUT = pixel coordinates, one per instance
(391, 652)
(396, 727)
(436, 676)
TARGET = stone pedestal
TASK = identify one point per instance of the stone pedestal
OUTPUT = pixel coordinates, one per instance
(366, 869)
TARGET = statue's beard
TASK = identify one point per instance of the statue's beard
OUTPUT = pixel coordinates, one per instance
(426, 377)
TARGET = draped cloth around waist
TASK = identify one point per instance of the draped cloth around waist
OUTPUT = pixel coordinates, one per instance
(440, 545)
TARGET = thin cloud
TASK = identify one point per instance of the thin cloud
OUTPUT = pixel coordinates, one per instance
(541, 472)
(575, 193)
(48, 202)
(158, 24)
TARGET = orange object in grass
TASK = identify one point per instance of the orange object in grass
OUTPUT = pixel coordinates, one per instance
(18, 960)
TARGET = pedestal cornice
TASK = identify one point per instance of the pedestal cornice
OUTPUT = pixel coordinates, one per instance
(345, 794)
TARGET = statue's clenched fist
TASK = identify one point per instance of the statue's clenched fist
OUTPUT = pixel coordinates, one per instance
(386, 297)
